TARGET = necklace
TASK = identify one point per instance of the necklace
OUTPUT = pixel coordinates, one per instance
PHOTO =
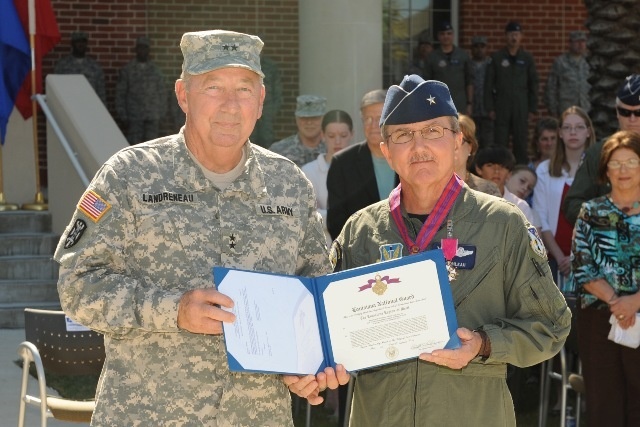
(627, 209)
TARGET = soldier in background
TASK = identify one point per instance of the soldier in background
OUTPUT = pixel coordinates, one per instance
(305, 145)
(567, 83)
(421, 53)
(263, 133)
(452, 66)
(79, 63)
(141, 96)
(511, 92)
(479, 62)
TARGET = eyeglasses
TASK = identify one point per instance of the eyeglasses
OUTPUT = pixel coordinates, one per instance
(430, 132)
(625, 112)
(629, 164)
(576, 129)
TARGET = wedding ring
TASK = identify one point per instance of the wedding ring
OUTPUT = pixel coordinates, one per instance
(621, 317)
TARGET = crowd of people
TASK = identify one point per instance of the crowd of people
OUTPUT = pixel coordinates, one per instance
(536, 219)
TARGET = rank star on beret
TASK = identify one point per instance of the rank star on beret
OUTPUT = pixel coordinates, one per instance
(629, 92)
(416, 100)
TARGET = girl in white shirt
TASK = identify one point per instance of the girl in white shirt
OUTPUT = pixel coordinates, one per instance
(337, 133)
(555, 176)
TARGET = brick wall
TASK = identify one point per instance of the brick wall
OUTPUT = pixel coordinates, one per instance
(545, 23)
(113, 26)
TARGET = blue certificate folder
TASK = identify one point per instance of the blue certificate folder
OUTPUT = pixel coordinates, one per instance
(364, 317)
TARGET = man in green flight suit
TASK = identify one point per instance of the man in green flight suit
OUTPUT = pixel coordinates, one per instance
(511, 92)
(508, 308)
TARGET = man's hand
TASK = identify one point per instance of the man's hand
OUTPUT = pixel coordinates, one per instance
(460, 357)
(199, 311)
(310, 386)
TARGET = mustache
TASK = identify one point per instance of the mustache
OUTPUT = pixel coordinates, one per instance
(421, 157)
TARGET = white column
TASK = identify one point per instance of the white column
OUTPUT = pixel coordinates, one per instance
(341, 52)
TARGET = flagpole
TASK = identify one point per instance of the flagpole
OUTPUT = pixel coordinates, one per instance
(39, 204)
(4, 206)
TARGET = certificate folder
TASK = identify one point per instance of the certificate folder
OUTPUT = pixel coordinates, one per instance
(364, 317)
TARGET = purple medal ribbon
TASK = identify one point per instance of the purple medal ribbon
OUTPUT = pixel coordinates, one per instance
(433, 222)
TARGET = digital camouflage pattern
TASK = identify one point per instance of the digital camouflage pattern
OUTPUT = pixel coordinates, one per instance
(293, 149)
(87, 66)
(206, 51)
(163, 229)
(141, 100)
(568, 84)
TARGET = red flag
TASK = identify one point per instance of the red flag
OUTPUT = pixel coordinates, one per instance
(46, 37)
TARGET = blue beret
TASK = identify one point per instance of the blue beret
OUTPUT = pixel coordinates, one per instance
(416, 100)
(629, 92)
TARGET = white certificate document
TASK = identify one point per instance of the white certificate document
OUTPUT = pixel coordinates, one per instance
(276, 327)
(386, 316)
(364, 317)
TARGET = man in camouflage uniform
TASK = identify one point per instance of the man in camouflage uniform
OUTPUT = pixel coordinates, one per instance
(305, 146)
(141, 96)
(263, 134)
(479, 62)
(567, 83)
(136, 258)
(511, 93)
(79, 63)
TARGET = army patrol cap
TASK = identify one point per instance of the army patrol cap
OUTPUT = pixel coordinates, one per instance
(629, 92)
(310, 106)
(577, 35)
(512, 26)
(478, 40)
(205, 51)
(79, 35)
(416, 100)
(143, 41)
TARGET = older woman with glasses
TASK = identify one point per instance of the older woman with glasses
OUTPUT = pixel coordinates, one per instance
(606, 271)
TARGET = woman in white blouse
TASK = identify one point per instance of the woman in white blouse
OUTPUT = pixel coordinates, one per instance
(555, 176)
(337, 133)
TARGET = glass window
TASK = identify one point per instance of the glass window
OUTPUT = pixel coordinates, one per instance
(404, 21)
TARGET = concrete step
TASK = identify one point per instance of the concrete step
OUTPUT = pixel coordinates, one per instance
(25, 221)
(28, 291)
(22, 267)
(28, 244)
(12, 314)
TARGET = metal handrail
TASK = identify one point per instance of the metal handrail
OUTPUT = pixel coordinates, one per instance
(73, 156)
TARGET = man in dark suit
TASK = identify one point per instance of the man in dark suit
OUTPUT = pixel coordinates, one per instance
(359, 175)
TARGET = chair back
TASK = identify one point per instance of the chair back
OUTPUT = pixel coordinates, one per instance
(63, 352)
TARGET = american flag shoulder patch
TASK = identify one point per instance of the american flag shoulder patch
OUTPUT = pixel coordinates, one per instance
(93, 205)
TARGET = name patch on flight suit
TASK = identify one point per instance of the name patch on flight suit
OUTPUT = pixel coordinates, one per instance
(465, 257)
(167, 196)
(275, 210)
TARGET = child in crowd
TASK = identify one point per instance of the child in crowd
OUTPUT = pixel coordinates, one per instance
(496, 163)
(521, 182)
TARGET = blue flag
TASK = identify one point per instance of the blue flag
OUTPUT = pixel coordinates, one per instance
(15, 61)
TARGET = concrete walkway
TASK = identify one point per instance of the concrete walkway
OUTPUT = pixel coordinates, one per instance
(10, 377)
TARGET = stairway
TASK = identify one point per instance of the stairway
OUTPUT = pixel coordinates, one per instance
(28, 273)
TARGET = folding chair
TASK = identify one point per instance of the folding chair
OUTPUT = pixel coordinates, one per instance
(56, 348)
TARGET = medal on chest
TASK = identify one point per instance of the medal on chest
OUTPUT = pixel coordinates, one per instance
(450, 248)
